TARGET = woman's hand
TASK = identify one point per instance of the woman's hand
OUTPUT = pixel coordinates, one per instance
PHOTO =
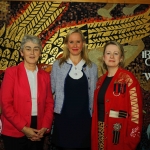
(31, 133)
(41, 132)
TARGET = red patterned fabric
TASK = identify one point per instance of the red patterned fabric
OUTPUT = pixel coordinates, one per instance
(127, 100)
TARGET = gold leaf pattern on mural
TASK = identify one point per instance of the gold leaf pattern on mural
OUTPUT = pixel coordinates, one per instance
(123, 30)
(3, 63)
(44, 57)
(47, 48)
(54, 38)
(6, 53)
(59, 42)
(12, 44)
(6, 43)
(20, 35)
(12, 63)
(36, 18)
(54, 51)
(40, 15)
(50, 60)
(1, 40)
(52, 12)
(11, 32)
(17, 46)
(2, 30)
(0, 52)
(15, 55)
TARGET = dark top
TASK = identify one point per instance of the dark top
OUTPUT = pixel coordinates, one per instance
(72, 127)
(101, 97)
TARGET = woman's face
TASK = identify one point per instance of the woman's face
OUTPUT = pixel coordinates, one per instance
(112, 56)
(31, 53)
(75, 44)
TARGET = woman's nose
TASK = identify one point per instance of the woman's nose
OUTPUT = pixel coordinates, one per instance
(32, 51)
(111, 55)
(75, 44)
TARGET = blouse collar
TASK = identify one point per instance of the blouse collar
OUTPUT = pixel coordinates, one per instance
(76, 70)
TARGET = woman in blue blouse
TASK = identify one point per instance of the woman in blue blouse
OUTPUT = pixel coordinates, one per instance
(73, 80)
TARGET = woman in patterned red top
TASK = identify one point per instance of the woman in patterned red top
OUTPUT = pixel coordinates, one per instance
(117, 110)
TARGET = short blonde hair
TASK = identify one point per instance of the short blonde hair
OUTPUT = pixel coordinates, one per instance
(121, 64)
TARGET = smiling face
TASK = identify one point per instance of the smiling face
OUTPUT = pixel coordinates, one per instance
(31, 53)
(75, 44)
(112, 56)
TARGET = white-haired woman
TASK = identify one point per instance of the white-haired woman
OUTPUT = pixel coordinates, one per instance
(26, 100)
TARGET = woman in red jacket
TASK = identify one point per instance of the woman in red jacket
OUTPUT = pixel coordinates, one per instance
(26, 99)
(117, 110)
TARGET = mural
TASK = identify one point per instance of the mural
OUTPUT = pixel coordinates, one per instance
(100, 22)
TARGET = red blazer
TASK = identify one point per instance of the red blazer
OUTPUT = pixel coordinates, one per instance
(16, 101)
(127, 100)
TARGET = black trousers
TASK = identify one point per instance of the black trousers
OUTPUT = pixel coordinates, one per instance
(23, 143)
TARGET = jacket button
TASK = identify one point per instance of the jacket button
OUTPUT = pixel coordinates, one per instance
(107, 100)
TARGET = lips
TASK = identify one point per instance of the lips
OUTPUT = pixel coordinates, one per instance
(111, 61)
(75, 49)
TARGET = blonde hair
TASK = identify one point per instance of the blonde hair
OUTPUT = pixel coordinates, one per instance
(84, 52)
(121, 64)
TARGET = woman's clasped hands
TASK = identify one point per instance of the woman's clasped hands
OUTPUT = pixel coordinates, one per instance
(34, 134)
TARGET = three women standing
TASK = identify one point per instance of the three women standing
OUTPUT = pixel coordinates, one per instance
(27, 103)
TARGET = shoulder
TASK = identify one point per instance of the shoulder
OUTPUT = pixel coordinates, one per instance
(100, 80)
(93, 65)
(12, 69)
(128, 74)
(43, 75)
(102, 77)
(43, 72)
(11, 72)
(56, 63)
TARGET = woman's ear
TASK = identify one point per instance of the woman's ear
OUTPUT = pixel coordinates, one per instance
(121, 59)
(21, 53)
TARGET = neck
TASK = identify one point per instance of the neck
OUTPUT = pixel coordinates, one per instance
(75, 59)
(112, 71)
(31, 67)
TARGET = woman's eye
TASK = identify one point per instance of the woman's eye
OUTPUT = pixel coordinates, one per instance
(36, 49)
